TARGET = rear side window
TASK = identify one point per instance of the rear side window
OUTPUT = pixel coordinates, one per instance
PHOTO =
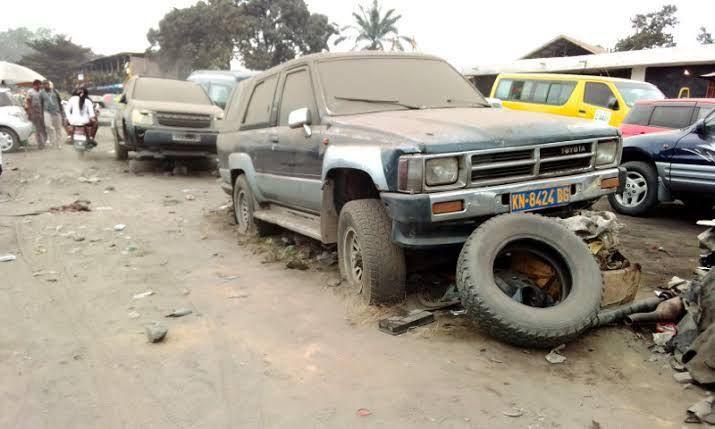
(560, 92)
(535, 91)
(597, 94)
(671, 116)
(639, 115)
(297, 94)
(541, 91)
(704, 111)
(259, 106)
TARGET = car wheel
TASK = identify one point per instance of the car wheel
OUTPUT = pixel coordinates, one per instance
(244, 205)
(9, 141)
(370, 262)
(121, 153)
(640, 193)
(529, 281)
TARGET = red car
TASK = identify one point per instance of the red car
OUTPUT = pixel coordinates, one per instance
(649, 116)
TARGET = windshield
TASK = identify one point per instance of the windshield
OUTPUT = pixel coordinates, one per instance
(632, 92)
(360, 85)
(176, 91)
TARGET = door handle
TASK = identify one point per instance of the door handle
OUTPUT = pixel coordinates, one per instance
(583, 112)
(274, 138)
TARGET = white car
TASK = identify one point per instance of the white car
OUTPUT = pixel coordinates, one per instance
(15, 128)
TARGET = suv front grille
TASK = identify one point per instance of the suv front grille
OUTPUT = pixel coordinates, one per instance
(183, 120)
(496, 167)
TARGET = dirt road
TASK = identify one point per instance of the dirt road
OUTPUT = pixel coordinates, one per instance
(266, 346)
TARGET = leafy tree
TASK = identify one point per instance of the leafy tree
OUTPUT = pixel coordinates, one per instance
(270, 32)
(56, 58)
(376, 29)
(705, 37)
(195, 37)
(14, 42)
(651, 30)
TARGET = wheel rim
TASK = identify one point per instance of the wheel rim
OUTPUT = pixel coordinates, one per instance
(6, 141)
(353, 258)
(532, 273)
(243, 214)
(635, 191)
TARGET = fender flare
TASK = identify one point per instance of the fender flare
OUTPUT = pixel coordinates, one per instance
(357, 157)
(243, 162)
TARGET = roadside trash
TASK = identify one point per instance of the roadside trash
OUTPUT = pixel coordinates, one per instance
(513, 412)
(120, 227)
(91, 180)
(397, 325)
(7, 258)
(620, 286)
(363, 412)
(179, 313)
(189, 197)
(554, 357)
(143, 294)
(103, 208)
(450, 298)
(614, 315)
(667, 311)
(44, 273)
(133, 315)
(328, 258)
(702, 411)
(77, 206)
(156, 333)
(334, 282)
(683, 377)
(109, 188)
(296, 265)
(458, 312)
(662, 338)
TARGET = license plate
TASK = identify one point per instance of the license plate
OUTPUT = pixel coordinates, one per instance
(80, 137)
(540, 198)
(190, 138)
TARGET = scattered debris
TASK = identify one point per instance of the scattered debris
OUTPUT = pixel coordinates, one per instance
(670, 310)
(513, 412)
(450, 298)
(702, 411)
(296, 264)
(7, 258)
(189, 197)
(397, 325)
(458, 312)
(683, 377)
(363, 412)
(90, 180)
(103, 208)
(179, 313)
(109, 188)
(555, 357)
(662, 338)
(77, 206)
(143, 294)
(328, 258)
(156, 332)
(44, 273)
(334, 282)
(120, 227)
(133, 315)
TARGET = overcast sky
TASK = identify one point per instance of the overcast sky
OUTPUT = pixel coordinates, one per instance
(465, 32)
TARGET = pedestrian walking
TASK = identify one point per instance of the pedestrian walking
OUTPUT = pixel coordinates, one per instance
(36, 112)
(54, 113)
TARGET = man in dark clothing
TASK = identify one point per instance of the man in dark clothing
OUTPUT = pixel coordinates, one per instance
(34, 106)
(54, 113)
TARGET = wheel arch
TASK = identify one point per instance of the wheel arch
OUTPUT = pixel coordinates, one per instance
(242, 164)
(340, 186)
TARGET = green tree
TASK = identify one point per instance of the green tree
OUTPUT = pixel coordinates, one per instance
(651, 30)
(14, 42)
(376, 30)
(270, 32)
(705, 37)
(57, 58)
(196, 37)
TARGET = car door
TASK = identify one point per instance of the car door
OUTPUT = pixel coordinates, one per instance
(302, 145)
(692, 164)
(600, 103)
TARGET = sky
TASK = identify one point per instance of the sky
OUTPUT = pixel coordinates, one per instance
(465, 32)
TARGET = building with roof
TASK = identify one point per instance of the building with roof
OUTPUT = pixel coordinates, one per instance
(110, 72)
(671, 69)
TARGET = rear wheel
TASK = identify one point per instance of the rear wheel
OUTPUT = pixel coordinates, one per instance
(9, 141)
(121, 153)
(641, 190)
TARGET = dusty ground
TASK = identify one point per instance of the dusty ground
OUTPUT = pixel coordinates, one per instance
(267, 346)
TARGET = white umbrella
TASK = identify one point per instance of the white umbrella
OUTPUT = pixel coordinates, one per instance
(16, 74)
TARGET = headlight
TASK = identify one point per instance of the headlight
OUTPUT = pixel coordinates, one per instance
(607, 152)
(441, 171)
(142, 117)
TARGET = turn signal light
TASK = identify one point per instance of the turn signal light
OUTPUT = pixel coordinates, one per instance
(448, 207)
(611, 182)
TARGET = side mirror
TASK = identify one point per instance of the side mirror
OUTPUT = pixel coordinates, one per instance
(300, 118)
(613, 103)
(701, 127)
(123, 99)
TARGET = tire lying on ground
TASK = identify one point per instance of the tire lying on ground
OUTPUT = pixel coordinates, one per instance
(553, 303)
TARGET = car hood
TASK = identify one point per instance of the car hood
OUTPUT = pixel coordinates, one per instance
(462, 129)
(170, 106)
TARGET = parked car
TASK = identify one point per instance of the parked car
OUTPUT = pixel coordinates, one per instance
(159, 118)
(603, 99)
(218, 83)
(666, 166)
(649, 116)
(15, 128)
(341, 148)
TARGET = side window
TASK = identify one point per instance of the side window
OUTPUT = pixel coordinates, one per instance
(639, 115)
(259, 106)
(540, 92)
(703, 112)
(297, 93)
(503, 89)
(671, 116)
(597, 94)
(516, 90)
(526, 90)
(559, 93)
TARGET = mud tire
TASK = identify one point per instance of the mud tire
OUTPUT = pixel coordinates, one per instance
(247, 224)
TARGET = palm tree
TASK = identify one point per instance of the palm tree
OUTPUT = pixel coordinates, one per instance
(376, 29)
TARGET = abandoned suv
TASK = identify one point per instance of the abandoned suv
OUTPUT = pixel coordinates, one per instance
(378, 152)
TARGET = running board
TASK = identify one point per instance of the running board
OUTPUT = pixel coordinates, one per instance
(294, 220)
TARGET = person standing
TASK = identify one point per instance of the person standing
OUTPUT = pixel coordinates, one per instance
(54, 113)
(34, 106)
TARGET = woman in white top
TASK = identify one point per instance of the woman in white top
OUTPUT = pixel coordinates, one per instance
(80, 113)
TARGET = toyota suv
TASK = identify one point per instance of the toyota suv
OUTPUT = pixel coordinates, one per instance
(379, 152)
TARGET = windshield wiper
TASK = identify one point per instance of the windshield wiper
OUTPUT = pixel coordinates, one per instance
(379, 101)
(470, 102)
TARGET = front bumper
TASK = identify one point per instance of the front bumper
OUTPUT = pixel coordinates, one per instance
(174, 142)
(414, 224)
(22, 128)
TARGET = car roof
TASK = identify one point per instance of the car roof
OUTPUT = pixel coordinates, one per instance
(557, 76)
(677, 100)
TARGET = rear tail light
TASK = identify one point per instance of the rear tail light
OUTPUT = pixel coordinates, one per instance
(410, 175)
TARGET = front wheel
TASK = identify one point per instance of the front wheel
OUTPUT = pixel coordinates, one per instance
(9, 141)
(244, 205)
(370, 262)
(121, 153)
(640, 194)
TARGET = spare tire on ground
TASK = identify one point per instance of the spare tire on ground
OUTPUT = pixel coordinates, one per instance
(529, 281)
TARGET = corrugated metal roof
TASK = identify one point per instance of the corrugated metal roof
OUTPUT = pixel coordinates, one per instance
(704, 54)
